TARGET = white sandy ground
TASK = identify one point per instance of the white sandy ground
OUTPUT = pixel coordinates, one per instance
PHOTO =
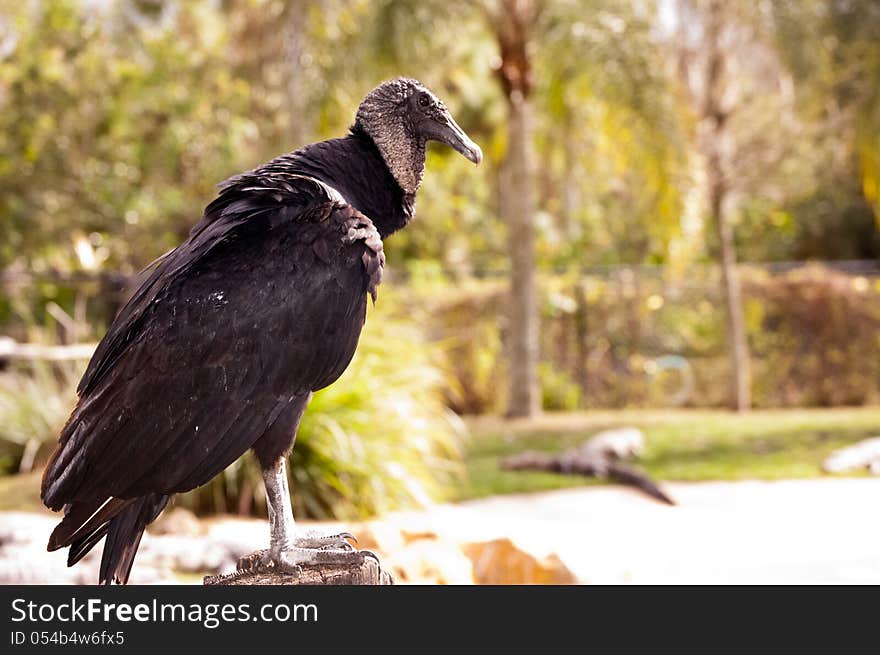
(798, 531)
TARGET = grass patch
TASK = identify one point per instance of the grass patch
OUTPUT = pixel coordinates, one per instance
(681, 445)
(21, 493)
(685, 445)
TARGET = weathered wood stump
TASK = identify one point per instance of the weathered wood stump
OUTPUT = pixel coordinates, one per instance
(362, 568)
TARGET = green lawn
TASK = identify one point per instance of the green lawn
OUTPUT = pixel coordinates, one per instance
(681, 445)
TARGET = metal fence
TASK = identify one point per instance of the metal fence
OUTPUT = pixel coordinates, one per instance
(654, 336)
(610, 336)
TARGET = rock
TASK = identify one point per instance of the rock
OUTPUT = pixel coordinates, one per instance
(430, 561)
(502, 562)
(863, 454)
(28, 562)
(410, 536)
(179, 522)
(25, 528)
(185, 554)
(379, 536)
(238, 535)
(23, 566)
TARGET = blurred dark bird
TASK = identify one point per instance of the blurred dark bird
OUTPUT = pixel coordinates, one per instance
(220, 348)
(600, 457)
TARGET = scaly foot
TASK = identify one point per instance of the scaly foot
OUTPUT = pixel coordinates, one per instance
(307, 550)
(317, 541)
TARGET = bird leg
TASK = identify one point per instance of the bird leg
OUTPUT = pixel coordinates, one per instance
(287, 549)
(281, 525)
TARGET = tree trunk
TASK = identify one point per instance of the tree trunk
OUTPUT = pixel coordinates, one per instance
(737, 343)
(716, 116)
(511, 25)
(581, 337)
(524, 397)
(364, 570)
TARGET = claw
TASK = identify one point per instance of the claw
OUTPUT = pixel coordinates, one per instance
(306, 549)
(292, 560)
(369, 553)
(326, 542)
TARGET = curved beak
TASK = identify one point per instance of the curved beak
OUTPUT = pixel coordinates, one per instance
(446, 130)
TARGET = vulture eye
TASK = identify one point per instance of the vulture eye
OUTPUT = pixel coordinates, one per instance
(424, 100)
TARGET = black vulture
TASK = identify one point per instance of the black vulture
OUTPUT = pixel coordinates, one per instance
(222, 345)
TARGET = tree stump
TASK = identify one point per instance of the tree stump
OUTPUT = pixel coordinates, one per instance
(363, 569)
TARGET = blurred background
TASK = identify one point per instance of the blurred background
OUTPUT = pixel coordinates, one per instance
(674, 231)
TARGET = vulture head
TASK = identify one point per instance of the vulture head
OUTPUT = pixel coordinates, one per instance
(401, 116)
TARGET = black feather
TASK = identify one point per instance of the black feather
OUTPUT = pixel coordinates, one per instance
(124, 534)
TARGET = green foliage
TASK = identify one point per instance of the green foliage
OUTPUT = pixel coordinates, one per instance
(816, 327)
(644, 338)
(559, 391)
(463, 322)
(117, 119)
(112, 124)
(34, 406)
(833, 52)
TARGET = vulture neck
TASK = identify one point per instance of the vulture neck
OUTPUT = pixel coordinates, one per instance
(354, 166)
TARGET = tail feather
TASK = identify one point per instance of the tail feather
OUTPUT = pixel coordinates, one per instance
(81, 547)
(83, 518)
(124, 534)
(121, 521)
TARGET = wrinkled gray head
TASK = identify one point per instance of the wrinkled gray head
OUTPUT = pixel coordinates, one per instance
(401, 116)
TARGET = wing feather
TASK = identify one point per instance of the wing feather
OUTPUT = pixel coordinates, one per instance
(261, 305)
